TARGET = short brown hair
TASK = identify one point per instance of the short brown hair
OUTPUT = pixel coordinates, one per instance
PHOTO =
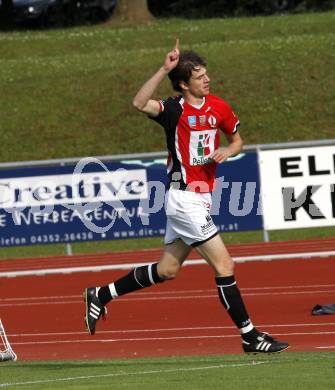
(188, 61)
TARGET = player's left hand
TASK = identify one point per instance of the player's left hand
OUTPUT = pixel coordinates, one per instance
(219, 155)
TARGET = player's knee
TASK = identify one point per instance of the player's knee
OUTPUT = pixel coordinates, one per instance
(147, 275)
(226, 268)
(170, 272)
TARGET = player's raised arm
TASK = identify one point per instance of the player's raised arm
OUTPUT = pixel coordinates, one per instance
(142, 100)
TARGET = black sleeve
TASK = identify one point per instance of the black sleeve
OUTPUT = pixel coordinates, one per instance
(168, 118)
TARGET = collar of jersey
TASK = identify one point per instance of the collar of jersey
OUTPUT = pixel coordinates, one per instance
(198, 107)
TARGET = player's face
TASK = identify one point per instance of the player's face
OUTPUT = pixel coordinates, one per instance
(198, 84)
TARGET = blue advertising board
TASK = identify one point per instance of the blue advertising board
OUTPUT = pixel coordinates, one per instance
(96, 201)
(238, 194)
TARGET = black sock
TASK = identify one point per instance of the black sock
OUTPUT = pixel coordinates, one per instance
(104, 295)
(137, 279)
(231, 299)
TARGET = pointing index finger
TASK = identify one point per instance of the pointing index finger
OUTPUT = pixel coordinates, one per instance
(177, 44)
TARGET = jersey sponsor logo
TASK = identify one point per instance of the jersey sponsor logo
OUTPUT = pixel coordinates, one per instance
(201, 146)
(192, 120)
(202, 120)
(212, 121)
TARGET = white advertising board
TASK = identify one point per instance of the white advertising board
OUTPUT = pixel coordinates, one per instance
(73, 188)
(297, 187)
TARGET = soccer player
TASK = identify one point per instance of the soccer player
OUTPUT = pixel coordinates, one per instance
(192, 122)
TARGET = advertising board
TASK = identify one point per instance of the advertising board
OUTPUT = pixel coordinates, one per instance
(298, 187)
(97, 201)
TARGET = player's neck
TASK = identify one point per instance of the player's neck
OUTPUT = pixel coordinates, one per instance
(193, 100)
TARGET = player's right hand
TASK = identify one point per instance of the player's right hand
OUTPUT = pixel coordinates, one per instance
(172, 58)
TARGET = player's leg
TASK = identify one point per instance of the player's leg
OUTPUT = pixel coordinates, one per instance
(217, 256)
(167, 268)
(172, 259)
(145, 276)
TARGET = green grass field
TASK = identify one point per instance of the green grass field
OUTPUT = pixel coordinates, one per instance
(298, 371)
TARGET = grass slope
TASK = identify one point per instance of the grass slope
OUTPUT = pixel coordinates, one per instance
(68, 93)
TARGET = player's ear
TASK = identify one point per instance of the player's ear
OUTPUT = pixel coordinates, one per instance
(184, 86)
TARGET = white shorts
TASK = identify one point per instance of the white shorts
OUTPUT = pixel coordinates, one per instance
(188, 217)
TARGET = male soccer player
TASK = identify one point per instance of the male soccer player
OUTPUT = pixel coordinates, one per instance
(192, 122)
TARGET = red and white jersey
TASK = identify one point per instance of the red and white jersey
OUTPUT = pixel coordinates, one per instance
(192, 134)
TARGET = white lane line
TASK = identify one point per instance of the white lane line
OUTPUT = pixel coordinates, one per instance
(196, 328)
(173, 292)
(175, 297)
(25, 299)
(40, 303)
(141, 339)
(125, 374)
(326, 347)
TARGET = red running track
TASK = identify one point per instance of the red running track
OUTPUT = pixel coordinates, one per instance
(43, 315)
(126, 257)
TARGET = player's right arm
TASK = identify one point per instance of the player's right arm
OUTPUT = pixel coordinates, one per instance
(142, 100)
